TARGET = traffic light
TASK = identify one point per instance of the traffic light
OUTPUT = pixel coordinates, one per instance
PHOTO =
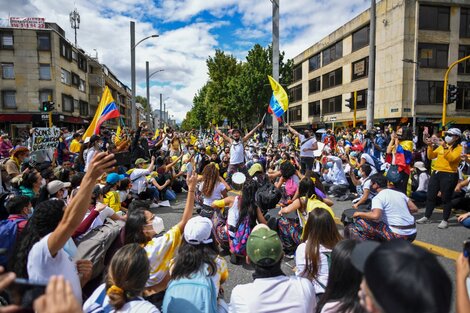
(452, 94)
(47, 106)
(350, 104)
(50, 106)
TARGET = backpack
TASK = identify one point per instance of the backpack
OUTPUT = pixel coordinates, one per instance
(267, 197)
(3, 210)
(238, 243)
(377, 163)
(196, 295)
(94, 245)
(8, 233)
(5, 177)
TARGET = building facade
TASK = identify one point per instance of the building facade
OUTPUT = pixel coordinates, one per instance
(416, 41)
(39, 65)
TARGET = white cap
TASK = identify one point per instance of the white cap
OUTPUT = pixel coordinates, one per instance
(238, 178)
(198, 230)
(420, 166)
(54, 186)
(454, 132)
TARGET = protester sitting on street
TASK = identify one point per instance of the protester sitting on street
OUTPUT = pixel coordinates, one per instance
(142, 226)
(211, 188)
(46, 248)
(19, 209)
(124, 284)
(197, 263)
(390, 216)
(312, 257)
(110, 191)
(400, 153)
(363, 187)
(400, 277)
(271, 291)
(343, 283)
(335, 181)
(30, 184)
(461, 197)
(289, 181)
(58, 190)
(139, 174)
(462, 273)
(421, 177)
(445, 176)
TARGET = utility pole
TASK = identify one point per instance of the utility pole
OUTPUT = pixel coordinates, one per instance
(371, 75)
(149, 107)
(355, 108)
(161, 115)
(275, 60)
(133, 108)
(165, 116)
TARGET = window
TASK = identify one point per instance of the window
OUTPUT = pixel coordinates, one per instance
(314, 62)
(65, 49)
(333, 78)
(361, 99)
(82, 87)
(434, 18)
(45, 71)
(74, 55)
(332, 53)
(314, 85)
(332, 105)
(433, 55)
(360, 69)
(75, 79)
(463, 100)
(45, 95)
(7, 71)
(464, 67)
(430, 92)
(360, 38)
(67, 103)
(81, 62)
(83, 108)
(297, 73)
(465, 22)
(296, 93)
(65, 77)
(76, 104)
(44, 41)
(295, 114)
(314, 108)
(6, 40)
(9, 99)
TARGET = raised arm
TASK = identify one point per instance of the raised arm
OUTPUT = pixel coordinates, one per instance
(226, 138)
(75, 211)
(169, 166)
(292, 130)
(247, 136)
(188, 209)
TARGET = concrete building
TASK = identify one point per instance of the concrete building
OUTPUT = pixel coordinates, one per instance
(431, 33)
(39, 64)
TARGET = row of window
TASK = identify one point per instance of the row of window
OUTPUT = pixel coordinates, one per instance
(70, 78)
(438, 18)
(8, 71)
(437, 56)
(69, 104)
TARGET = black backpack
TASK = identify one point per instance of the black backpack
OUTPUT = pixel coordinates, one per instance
(267, 197)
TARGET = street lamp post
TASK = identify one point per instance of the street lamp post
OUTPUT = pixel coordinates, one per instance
(148, 76)
(415, 91)
(275, 43)
(133, 46)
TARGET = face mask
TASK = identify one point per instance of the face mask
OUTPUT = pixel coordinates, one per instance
(399, 137)
(66, 193)
(448, 139)
(70, 248)
(157, 225)
(329, 164)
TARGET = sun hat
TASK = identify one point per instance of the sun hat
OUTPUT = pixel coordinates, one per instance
(140, 161)
(113, 178)
(54, 186)
(264, 247)
(198, 231)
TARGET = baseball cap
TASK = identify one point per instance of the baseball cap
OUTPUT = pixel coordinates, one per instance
(198, 230)
(255, 168)
(420, 166)
(113, 178)
(140, 161)
(238, 178)
(454, 132)
(264, 247)
(54, 186)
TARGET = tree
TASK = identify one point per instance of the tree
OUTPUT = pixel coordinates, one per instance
(142, 100)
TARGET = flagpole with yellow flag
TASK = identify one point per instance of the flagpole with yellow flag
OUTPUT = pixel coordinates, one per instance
(106, 98)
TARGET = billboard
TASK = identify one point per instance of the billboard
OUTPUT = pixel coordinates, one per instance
(28, 22)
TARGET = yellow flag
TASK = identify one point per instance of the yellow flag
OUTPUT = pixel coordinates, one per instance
(165, 128)
(296, 141)
(117, 137)
(157, 133)
(106, 110)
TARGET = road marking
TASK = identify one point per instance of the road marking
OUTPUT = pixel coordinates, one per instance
(437, 250)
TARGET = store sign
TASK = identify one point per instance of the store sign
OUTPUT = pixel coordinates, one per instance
(45, 138)
(28, 22)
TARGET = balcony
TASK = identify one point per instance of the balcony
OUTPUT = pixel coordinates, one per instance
(96, 80)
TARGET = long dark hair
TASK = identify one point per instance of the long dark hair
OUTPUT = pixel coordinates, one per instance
(190, 259)
(320, 229)
(45, 219)
(210, 177)
(344, 280)
(129, 270)
(247, 204)
(134, 227)
(316, 177)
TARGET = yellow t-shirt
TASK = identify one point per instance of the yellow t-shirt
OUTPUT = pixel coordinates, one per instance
(113, 200)
(447, 160)
(311, 205)
(75, 146)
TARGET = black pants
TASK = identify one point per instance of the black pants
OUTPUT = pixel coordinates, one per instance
(403, 183)
(306, 163)
(445, 183)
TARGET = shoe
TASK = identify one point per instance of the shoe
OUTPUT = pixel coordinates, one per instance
(423, 220)
(443, 225)
(233, 259)
(289, 256)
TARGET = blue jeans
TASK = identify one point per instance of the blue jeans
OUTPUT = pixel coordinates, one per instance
(466, 222)
(170, 195)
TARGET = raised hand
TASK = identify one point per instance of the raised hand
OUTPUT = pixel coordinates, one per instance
(59, 298)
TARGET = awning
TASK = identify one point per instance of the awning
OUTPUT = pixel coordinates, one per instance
(75, 120)
(15, 118)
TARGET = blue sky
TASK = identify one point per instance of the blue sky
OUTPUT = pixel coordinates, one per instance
(190, 31)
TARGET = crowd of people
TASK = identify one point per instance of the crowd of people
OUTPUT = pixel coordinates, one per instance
(83, 219)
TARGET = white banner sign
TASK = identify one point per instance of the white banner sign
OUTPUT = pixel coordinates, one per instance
(45, 138)
(28, 22)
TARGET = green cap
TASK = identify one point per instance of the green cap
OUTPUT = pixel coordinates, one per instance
(140, 161)
(255, 168)
(264, 246)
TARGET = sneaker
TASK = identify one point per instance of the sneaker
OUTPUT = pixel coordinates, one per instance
(423, 220)
(443, 225)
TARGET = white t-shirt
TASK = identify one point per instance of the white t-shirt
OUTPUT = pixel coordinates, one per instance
(278, 294)
(89, 156)
(237, 152)
(322, 275)
(216, 193)
(139, 180)
(42, 265)
(233, 215)
(394, 206)
(137, 306)
(307, 144)
(423, 181)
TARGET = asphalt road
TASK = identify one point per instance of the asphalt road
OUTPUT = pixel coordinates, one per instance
(450, 238)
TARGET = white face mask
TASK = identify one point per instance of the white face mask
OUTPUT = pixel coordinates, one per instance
(66, 193)
(70, 248)
(449, 139)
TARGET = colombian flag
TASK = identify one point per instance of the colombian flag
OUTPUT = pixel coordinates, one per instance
(404, 155)
(279, 100)
(107, 109)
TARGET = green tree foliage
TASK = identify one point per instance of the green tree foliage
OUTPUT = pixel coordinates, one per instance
(237, 91)
(141, 100)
